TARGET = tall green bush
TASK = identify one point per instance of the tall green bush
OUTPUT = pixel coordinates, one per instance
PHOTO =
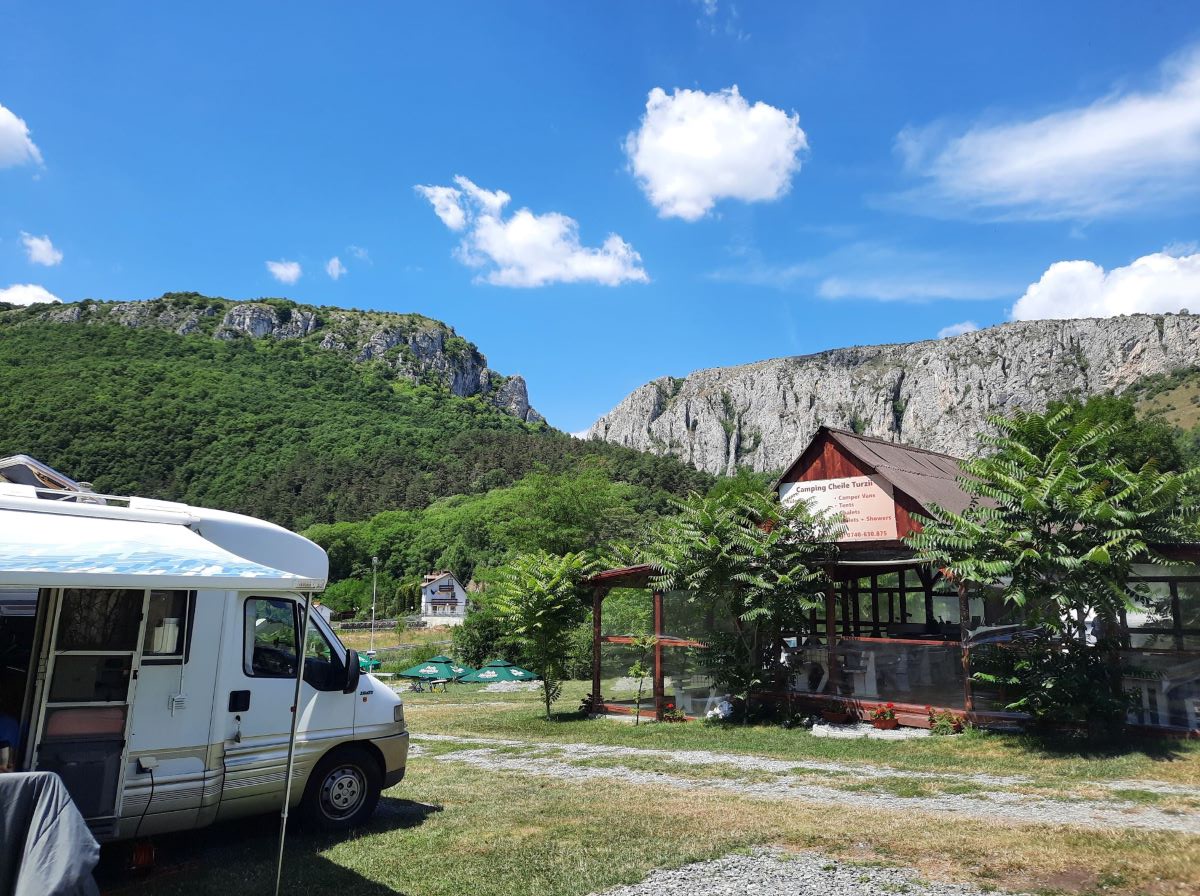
(1057, 521)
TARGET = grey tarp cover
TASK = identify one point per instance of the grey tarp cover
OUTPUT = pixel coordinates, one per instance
(46, 848)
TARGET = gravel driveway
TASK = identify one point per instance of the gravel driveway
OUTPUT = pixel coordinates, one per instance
(772, 872)
(988, 800)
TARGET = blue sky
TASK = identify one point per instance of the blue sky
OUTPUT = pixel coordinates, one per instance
(882, 172)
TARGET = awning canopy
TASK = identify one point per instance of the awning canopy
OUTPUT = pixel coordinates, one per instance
(43, 549)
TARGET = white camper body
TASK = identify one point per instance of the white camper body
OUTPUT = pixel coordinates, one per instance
(157, 647)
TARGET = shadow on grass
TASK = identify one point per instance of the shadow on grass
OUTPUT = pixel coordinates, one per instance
(239, 857)
(1060, 745)
(564, 716)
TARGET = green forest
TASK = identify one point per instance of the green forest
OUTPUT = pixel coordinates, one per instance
(366, 463)
(303, 436)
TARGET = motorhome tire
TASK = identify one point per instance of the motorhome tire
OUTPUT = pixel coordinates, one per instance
(343, 790)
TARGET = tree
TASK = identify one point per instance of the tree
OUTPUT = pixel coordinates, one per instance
(750, 559)
(1134, 439)
(538, 595)
(484, 634)
(641, 645)
(1057, 521)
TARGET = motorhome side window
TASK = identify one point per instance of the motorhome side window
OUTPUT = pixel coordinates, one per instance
(270, 638)
(166, 623)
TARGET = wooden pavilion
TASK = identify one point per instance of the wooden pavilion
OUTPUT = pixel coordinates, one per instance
(892, 627)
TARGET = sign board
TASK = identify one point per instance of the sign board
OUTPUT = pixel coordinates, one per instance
(866, 505)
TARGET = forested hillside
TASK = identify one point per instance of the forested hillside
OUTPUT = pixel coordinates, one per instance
(277, 428)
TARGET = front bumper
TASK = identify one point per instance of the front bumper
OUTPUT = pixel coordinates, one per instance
(395, 757)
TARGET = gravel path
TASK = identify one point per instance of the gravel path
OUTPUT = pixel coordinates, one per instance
(772, 872)
(986, 804)
(762, 763)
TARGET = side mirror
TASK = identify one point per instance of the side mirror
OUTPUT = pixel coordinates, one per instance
(353, 672)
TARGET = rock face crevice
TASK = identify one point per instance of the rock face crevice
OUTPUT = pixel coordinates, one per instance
(935, 394)
(414, 347)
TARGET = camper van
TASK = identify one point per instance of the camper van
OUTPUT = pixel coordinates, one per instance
(150, 654)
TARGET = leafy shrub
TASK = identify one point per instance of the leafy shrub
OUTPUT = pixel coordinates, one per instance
(1058, 682)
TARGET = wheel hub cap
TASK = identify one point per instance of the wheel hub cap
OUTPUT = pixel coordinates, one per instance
(343, 791)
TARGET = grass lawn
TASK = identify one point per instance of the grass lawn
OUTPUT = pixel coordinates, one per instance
(453, 829)
(360, 640)
(465, 711)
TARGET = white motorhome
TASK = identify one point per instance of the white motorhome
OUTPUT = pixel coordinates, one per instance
(149, 653)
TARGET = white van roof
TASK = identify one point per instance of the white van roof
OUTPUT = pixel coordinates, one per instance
(148, 544)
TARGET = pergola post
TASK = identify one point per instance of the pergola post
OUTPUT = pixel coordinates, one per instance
(831, 635)
(597, 605)
(659, 631)
(875, 605)
(964, 633)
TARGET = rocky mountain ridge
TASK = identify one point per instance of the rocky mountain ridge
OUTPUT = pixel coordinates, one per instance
(415, 347)
(936, 394)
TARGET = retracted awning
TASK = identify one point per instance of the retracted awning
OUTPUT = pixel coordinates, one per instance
(60, 550)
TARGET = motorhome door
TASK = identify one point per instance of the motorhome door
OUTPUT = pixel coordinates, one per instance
(260, 698)
(91, 676)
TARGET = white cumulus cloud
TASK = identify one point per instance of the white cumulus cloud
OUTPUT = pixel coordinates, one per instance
(967, 326)
(446, 204)
(695, 148)
(334, 268)
(527, 249)
(285, 271)
(26, 294)
(1153, 284)
(16, 146)
(40, 250)
(1123, 151)
(359, 252)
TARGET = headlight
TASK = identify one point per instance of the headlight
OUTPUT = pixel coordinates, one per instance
(398, 713)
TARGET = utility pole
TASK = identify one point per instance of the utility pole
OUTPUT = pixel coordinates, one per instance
(374, 580)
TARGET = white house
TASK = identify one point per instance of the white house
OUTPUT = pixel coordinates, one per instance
(443, 599)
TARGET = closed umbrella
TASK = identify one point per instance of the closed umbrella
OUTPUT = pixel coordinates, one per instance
(500, 670)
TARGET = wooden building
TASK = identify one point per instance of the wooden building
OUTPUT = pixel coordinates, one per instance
(892, 627)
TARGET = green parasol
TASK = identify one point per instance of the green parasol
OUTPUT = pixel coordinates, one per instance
(438, 667)
(499, 670)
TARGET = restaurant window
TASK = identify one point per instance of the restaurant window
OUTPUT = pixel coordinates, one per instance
(1166, 615)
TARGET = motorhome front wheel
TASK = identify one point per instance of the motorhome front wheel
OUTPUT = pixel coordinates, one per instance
(343, 790)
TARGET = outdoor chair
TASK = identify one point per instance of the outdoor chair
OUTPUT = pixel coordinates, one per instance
(859, 666)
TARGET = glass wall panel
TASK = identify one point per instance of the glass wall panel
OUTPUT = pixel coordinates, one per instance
(627, 611)
(1165, 687)
(1189, 604)
(617, 684)
(899, 671)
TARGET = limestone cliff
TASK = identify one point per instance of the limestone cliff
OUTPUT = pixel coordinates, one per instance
(936, 394)
(418, 348)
